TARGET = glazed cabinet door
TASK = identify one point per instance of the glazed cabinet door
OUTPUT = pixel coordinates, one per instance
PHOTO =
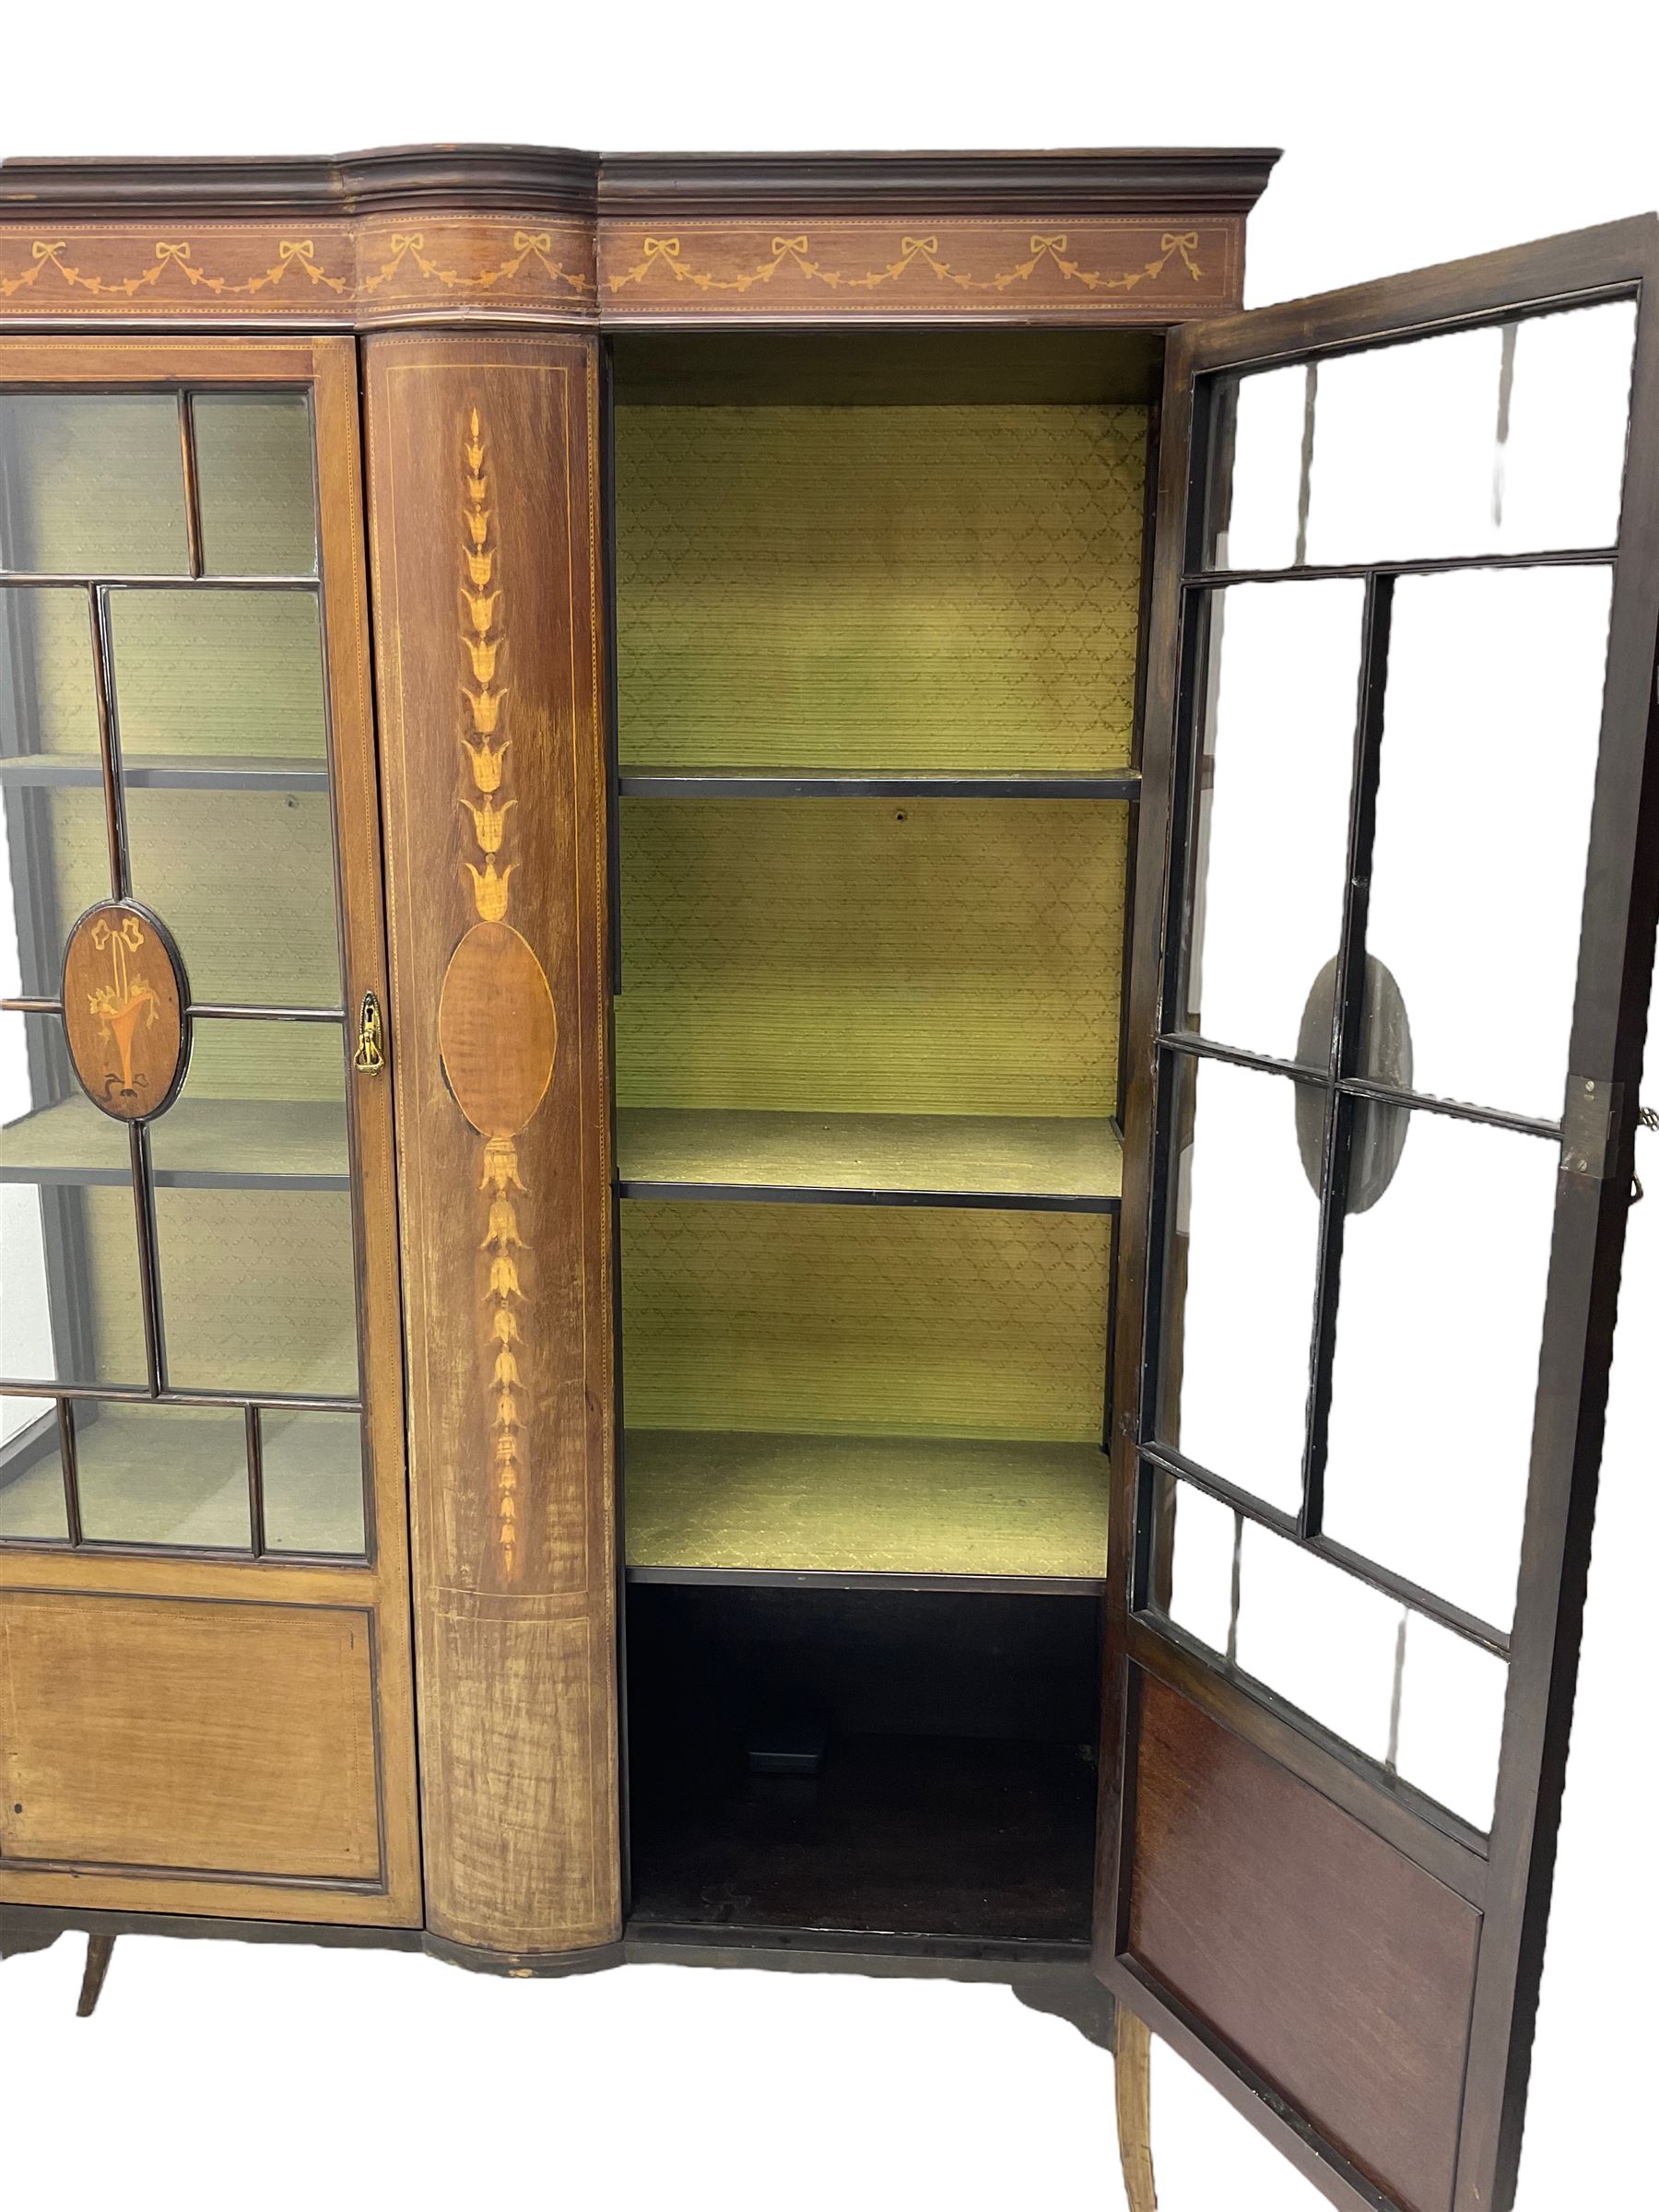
(205, 1667)
(1400, 765)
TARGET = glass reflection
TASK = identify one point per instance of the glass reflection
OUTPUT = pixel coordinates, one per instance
(1324, 1640)
(162, 1475)
(93, 484)
(1483, 823)
(1440, 1316)
(253, 1222)
(1451, 1725)
(1239, 1315)
(33, 1508)
(313, 1481)
(48, 699)
(1255, 514)
(254, 479)
(1508, 438)
(70, 1303)
(1271, 836)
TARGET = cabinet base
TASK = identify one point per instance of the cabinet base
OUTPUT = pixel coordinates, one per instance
(1052, 1978)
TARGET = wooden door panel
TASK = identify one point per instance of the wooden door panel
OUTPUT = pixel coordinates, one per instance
(191, 1736)
(1340, 1971)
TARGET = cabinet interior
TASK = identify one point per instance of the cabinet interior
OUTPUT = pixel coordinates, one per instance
(879, 610)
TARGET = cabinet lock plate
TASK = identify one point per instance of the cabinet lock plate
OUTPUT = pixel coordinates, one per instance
(371, 1053)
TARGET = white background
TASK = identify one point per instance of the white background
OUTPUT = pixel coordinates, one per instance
(219, 2074)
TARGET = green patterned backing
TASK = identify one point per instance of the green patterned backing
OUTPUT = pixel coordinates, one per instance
(930, 956)
(878, 587)
(236, 674)
(864, 1320)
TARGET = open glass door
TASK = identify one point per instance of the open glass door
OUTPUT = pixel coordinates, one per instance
(1379, 1155)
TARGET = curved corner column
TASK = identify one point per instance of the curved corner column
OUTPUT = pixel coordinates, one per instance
(482, 457)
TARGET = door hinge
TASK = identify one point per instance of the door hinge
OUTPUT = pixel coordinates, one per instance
(371, 1053)
(1590, 1127)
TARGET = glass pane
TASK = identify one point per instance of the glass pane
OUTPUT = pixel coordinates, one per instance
(1325, 1641)
(56, 863)
(1438, 1329)
(1393, 1683)
(1273, 778)
(70, 1310)
(92, 484)
(162, 1475)
(264, 1102)
(245, 881)
(1474, 441)
(48, 699)
(1452, 1697)
(1203, 1550)
(232, 676)
(31, 1471)
(1483, 823)
(254, 483)
(1255, 500)
(1560, 475)
(313, 1481)
(1240, 1294)
(253, 1215)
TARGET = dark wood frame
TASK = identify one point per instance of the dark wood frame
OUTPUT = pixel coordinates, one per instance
(1509, 1876)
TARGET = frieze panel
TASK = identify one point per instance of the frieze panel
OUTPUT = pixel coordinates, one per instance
(1156, 271)
(315, 271)
(569, 271)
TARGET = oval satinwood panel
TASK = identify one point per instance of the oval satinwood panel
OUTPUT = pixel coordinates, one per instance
(497, 1029)
(125, 1009)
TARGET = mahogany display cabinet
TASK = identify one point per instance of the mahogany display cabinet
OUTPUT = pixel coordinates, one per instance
(642, 797)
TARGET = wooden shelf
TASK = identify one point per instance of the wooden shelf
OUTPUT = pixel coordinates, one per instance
(201, 1144)
(155, 772)
(701, 1505)
(1046, 1164)
(647, 782)
(898, 1835)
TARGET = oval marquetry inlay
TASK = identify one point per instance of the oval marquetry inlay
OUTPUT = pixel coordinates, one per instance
(124, 1010)
(497, 1029)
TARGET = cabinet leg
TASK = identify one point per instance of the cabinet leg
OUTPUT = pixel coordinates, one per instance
(1134, 2110)
(99, 1949)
